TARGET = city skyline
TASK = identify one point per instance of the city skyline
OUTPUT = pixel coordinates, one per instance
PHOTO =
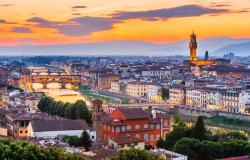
(75, 22)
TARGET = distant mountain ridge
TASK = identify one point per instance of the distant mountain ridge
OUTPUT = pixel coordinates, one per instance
(240, 49)
(217, 46)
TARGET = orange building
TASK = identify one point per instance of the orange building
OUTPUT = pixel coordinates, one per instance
(135, 122)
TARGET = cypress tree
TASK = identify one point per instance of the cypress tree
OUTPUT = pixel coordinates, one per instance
(199, 131)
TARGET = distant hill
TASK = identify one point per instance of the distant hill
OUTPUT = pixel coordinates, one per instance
(215, 45)
(240, 49)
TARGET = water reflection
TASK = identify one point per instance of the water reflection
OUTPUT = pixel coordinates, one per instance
(66, 95)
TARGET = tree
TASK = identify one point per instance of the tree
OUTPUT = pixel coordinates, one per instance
(135, 154)
(160, 143)
(10, 149)
(86, 141)
(165, 93)
(179, 131)
(233, 148)
(197, 150)
(77, 110)
(199, 131)
(73, 141)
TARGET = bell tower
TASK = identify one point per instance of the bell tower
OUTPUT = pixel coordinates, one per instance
(97, 118)
(193, 47)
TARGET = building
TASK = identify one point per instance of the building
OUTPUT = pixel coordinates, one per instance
(230, 101)
(125, 142)
(193, 61)
(193, 97)
(17, 122)
(97, 117)
(144, 90)
(54, 128)
(104, 81)
(177, 94)
(220, 99)
(135, 122)
(155, 71)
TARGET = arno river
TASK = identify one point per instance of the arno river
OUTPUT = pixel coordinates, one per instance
(65, 95)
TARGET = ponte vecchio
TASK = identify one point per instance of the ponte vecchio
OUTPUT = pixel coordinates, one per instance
(46, 76)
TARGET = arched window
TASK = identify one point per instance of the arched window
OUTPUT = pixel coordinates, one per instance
(145, 136)
(137, 126)
(145, 125)
(151, 137)
(137, 136)
(128, 127)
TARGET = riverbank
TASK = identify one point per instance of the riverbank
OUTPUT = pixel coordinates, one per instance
(89, 93)
(213, 124)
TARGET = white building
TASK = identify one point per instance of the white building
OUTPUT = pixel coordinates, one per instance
(54, 128)
(144, 90)
(177, 95)
(125, 142)
(193, 97)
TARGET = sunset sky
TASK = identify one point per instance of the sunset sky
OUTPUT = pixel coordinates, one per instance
(39, 22)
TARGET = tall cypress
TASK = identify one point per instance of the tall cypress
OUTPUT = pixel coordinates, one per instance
(199, 130)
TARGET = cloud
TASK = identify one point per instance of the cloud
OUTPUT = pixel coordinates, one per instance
(221, 5)
(21, 30)
(78, 7)
(2, 21)
(166, 13)
(80, 26)
(76, 14)
(42, 22)
(7, 5)
(85, 25)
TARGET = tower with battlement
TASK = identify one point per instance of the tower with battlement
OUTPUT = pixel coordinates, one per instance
(193, 47)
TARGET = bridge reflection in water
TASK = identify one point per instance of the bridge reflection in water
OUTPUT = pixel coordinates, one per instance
(55, 91)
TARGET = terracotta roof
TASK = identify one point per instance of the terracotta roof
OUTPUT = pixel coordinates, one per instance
(126, 139)
(31, 116)
(133, 113)
(59, 125)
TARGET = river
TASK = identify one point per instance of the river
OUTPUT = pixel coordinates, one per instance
(64, 95)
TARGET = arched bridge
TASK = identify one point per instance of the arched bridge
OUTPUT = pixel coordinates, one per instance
(49, 78)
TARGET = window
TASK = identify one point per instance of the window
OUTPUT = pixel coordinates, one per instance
(152, 126)
(157, 137)
(145, 136)
(117, 129)
(21, 131)
(26, 131)
(128, 127)
(137, 126)
(145, 125)
(151, 137)
(137, 136)
(165, 123)
(123, 128)
(158, 126)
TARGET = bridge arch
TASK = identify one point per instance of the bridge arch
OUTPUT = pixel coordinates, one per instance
(43, 74)
(54, 74)
(37, 86)
(54, 85)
